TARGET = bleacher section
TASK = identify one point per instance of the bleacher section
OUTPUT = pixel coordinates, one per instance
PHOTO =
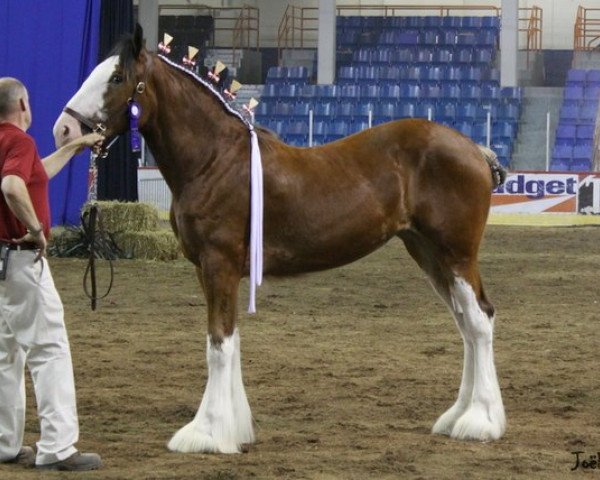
(575, 131)
(397, 67)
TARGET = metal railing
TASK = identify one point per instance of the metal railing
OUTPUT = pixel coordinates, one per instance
(298, 22)
(245, 30)
(587, 29)
(242, 22)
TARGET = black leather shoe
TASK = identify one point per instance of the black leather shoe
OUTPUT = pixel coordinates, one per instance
(78, 462)
(25, 457)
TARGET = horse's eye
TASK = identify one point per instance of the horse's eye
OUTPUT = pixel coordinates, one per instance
(116, 78)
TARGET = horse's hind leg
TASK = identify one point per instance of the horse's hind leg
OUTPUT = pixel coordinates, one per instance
(478, 413)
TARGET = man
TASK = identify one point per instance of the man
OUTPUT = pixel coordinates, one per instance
(32, 329)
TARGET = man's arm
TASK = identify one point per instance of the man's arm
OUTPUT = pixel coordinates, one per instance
(18, 200)
(55, 162)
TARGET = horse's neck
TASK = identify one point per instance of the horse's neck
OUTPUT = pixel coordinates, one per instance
(189, 129)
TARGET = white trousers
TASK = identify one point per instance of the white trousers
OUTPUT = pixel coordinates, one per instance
(32, 332)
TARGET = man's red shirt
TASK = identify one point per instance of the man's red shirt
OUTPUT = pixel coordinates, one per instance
(19, 156)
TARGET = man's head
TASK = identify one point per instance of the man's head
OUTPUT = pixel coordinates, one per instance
(14, 103)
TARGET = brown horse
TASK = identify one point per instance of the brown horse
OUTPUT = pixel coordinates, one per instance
(323, 207)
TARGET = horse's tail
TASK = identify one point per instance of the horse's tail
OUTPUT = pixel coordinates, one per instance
(498, 171)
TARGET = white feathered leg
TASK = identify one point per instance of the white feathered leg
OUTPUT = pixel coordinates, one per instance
(224, 421)
(478, 413)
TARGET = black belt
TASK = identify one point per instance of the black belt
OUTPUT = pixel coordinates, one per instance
(22, 246)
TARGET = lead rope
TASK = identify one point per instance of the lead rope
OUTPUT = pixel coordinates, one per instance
(89, 225)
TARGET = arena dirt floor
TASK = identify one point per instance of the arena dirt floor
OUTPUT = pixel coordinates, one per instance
(346, 370)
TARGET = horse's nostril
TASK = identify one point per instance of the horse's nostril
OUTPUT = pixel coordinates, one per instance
(65, 130)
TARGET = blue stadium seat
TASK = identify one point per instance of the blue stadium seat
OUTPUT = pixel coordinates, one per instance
(559, 165)
(344, 109)
(574, 93)
(569, 114)
(466, 128)
(432, 21)
(466, 111)
(409, 90)
(565, 134)
(323, 110)
(472, 22)
(508, 112)
(515, 93)
(328, 91)
(588, 113)
(270, 90)
(450, 90)
(429, 37)
(451, 21)
(564, 152)
(425, 108)
(357, 126)
(490, 22)
(482, 55)
(308, 92)
(367, 73)
(463, 55)
(487, 38)
(576, 76)
(466, 38)
(492, 109)
(301, 109)
(413, 73)
(445, 111)
(390, 91)
(447, 37)
(289, 91)
(479, 133)
(424, 55)
(389, 74)
(580, 165)
(490, 91)
(585, 132)
(347, 73)
(385, 111)
(337, 130)
(283, 109)
(350, 91)
(591, 92)
(406, 110)
(471, 92)
(363, 55)
(443, 55)
(370, 91)
(403, 55)
(592, 77)
(453, 73)
(433, 73)
(430, 90)
(470, 73)
(361, 110)
(407, 38)
(503, 130)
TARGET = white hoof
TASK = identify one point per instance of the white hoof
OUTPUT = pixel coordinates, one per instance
(445, 424)
(481, 424)
(191, 440)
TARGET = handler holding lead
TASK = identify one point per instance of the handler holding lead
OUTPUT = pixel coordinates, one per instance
(32, 328)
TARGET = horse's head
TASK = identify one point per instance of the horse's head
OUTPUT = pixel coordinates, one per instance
(103, 99)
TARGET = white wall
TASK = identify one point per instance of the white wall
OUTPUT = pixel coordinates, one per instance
(558, 20)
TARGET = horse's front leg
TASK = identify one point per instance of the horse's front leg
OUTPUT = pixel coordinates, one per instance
(223, 422)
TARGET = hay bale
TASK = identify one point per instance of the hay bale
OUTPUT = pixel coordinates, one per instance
(64, 240)
(153, 245)
(120, 217)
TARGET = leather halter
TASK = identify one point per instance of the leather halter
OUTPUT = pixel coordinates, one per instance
(99, 127)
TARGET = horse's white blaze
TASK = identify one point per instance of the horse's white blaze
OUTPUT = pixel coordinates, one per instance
(223, 421)
(88, 101)
(478, 413)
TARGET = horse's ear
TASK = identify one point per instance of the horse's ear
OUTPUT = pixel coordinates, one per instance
(138, 40)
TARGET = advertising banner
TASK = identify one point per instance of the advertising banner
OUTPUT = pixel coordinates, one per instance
(531, 192)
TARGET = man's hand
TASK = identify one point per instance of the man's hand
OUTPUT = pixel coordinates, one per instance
(92, 140)
(38, 238)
